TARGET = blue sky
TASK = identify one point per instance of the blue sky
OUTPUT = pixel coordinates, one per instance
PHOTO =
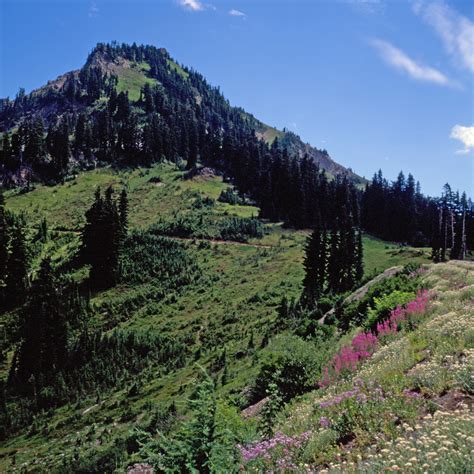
(379, 84)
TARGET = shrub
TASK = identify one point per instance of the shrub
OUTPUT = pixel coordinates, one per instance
(292, 364)
(384, 304)
(355, 313)
(229, 196)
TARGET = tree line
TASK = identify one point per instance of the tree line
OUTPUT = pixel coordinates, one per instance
(181, 118)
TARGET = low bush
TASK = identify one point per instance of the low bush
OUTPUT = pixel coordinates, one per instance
(292, 364)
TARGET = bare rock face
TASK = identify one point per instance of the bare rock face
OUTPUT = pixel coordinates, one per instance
(254, 410)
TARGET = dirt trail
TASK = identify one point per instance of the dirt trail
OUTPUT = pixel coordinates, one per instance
(221, 242)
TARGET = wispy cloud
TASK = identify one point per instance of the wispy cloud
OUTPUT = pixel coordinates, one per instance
(194, 5)
(234, 12)
(93, 10)
(367, 6)
(465, 135)
(455, 30)
(401, 61)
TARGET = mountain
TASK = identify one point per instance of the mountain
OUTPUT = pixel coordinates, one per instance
(87, 90)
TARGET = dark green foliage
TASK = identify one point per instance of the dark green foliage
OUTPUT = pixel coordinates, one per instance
(355, 314)
(334, 259)
(58, 146)
(147, 257)
(202, 443)
(17, 264)
(102, 239)
(292, 364)
(315, 265)
(123, 212)
(205, 226)
(4, 240)
(118, 355)
(44, 333)
(42, 235)
(231, 197)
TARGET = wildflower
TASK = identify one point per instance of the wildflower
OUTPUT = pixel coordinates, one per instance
(324, 422)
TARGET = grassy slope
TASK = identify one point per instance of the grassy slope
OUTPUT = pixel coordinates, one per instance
(238, 294)
(435, 360)
(133, 79)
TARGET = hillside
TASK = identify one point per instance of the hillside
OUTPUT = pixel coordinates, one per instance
(185, 289)
(407, 407)
(132, 70)
(230, 303)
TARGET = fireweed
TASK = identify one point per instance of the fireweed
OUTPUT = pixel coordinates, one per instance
(349, 358)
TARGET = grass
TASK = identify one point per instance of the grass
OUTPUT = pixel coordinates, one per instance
(237, 295)
(270, 133)
(133, 79)
(379, 255)
(64, 206)
(175, 66)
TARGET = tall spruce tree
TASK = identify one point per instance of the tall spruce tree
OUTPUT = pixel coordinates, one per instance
(43, 349)
(102, 239)
(123, 212)
(17, 265)
(3, 248)
(315, 265)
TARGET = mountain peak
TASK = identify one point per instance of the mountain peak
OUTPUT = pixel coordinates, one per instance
(132, 68)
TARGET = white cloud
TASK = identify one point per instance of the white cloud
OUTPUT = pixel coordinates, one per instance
(194, 5)
(465, 135)
(93, 10)
(234, 12)
(401, 61)
(455, 30)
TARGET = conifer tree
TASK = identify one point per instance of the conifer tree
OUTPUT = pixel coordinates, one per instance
(315, 265)
(359, 258)
(3, 248)
(44, 333)
(102, 240)
(17, 265)
(123, 212)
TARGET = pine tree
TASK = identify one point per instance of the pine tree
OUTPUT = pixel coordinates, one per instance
(123, 211)
(34, 142)
(44, 333)
(315, 265)
(102, 239)
(3, 247)
(17, 265)
(359, 258)
(335, 264)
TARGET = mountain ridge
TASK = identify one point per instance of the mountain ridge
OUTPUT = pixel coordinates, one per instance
(132, 76)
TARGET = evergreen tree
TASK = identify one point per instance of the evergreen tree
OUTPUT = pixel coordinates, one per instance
(59, 148)
(17, 265)
(359, 258)
(102, 239)
(44, 334)
(3, 248)
(315, 265)
(123, 212)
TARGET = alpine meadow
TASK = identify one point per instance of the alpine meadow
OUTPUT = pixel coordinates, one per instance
(186, 289)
